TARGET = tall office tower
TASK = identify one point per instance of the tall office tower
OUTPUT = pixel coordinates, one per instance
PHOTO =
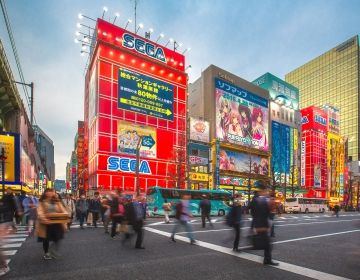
(333, 78)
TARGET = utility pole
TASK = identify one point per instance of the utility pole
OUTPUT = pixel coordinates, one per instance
(138, 146)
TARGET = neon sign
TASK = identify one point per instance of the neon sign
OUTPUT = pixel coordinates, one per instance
(143, 47)
(127, 165)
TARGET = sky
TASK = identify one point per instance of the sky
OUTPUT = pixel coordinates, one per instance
(246, 38)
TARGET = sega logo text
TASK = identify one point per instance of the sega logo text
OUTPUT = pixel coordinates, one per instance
(141, 46)
(127, 165)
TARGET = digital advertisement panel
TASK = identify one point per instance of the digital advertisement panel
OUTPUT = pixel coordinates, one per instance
(128, 137)
(143, 94)
(241, 116)
(199, 130)
(240, 162)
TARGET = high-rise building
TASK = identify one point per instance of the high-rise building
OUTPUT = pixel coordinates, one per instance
(46, 147)
(333, 78)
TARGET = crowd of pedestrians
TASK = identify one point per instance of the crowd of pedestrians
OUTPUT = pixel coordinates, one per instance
(122, 217)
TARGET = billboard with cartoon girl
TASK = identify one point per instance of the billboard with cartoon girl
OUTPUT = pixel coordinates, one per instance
(241, 116)
(240, 162)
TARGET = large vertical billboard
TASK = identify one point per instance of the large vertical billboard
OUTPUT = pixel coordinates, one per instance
(280, 160)
(241, 116)
(199, 130)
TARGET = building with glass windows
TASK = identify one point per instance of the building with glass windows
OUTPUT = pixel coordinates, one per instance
(333, 78)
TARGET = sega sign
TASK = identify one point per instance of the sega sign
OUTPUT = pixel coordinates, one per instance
(320, 120)
(304, 120)
(127, 165)
(131, 42)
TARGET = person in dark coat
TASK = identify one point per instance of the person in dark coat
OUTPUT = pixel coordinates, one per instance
(135, 218)
(205, 208)
(235, 213)
(261, 214)
(95, 208)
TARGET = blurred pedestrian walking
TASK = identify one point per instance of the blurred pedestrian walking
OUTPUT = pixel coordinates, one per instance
(261, 215)
(51, 223)
(183, 215)
(117, 211)
(69, 204)
(205, 208)
(234, 220)
(167, 210)
(82, 209)
(95, 208)
(106, 216)
(336, 210)
(135, 218)
(8, 208)
(30, 204)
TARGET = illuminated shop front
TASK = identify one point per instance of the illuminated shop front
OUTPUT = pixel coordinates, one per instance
(135, 96)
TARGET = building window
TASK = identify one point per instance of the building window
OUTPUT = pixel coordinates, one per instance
(287, 116)
(273, 113)
(291, 117)
(278, 114)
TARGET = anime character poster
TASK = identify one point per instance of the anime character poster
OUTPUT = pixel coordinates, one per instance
(240, 162)
(241, 117)
(128, 136)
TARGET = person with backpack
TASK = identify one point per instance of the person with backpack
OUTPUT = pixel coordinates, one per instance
(233, 219)
(183, 215)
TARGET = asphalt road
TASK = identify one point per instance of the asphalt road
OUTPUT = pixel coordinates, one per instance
(313, 246)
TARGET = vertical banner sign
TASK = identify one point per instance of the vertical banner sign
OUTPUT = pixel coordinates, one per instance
(217, 172)
(317, 176)
(303, 163)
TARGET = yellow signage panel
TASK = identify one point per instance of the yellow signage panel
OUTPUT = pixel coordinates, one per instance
(199, 177)
(8, 143)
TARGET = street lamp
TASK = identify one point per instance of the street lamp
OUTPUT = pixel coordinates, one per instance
(160, 36)
(139, 26)
(127, 23)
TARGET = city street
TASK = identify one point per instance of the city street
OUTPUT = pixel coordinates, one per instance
(312, 246)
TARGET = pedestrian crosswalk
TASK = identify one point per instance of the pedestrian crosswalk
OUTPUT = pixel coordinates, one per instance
(11, 242)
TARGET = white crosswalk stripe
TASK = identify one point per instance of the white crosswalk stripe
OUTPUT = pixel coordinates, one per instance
(10, 243)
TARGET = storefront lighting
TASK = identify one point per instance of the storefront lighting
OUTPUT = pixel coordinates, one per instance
(179, 78)
(162, 35)
(111, 52)
(161, 72)
(104, 33)
(116, 16)
(186, 50)
(105, 9)
(122, 56)
(143, 64)
(181, 64)
(152, 68)
(127, 23)
(171, 75)
(139, 26)
(133, 61)
(118, 39)
(170, 41)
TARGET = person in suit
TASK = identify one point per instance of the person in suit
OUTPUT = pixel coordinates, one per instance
(135, 218)
(205, 207)
(261, 213)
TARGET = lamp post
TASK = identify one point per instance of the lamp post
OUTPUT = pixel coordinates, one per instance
(138, 165)
(3, 158)
(31, 85)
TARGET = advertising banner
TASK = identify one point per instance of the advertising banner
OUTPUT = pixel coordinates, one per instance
(241, 116)
(92, 96)
(199, 176)
(317, 176)
(128, 136)
(279, 90)
(303, 163)
(198, 160)
(236, 181)
(281, 148)
(240, 162)
(199, 130)
(143, 94)
(10, 142)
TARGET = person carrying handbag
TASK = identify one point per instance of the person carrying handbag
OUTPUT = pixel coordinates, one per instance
(261, 213)
(51, 222)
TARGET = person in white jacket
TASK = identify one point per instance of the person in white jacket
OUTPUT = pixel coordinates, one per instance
(69, 204)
